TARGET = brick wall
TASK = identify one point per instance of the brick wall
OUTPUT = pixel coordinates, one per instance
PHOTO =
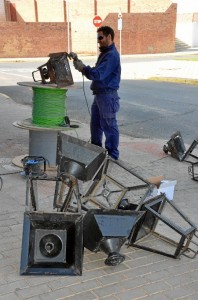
(195, 17)
(32, 39)
(25, 10)
(146, 33)
(53, 10)
(149, 32)
(136, 38)
(143, 6)
(50, 10)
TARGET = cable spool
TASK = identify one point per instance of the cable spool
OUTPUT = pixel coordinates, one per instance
(49, 106)
(49, 116)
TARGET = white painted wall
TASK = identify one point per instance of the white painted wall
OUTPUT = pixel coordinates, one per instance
(187, 31)
(195, 35)
(186, 6)
(2, 11)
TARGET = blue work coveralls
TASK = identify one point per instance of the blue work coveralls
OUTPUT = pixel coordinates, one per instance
(105, 78)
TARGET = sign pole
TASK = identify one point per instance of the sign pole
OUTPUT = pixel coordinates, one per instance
(120, 29)
(97, 21)
(68, 31)
(96, 45)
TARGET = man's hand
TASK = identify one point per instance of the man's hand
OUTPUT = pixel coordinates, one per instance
(78, 65)
(73, 55)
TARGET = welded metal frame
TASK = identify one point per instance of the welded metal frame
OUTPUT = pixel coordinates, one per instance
(190, 150)
(192, 170)
(62, 200)
(101, 179)
(187, 235)
(148, 223)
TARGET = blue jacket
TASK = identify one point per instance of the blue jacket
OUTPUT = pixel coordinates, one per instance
(106, 74)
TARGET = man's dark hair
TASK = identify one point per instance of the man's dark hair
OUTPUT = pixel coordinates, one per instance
(106, 31)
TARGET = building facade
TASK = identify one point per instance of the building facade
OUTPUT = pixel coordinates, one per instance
(38, 27)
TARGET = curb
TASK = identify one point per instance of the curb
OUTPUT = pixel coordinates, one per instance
(175, 80)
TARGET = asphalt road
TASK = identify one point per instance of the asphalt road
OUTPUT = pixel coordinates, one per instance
(149, 109)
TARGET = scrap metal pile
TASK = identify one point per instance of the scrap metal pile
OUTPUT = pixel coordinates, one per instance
(98, 204)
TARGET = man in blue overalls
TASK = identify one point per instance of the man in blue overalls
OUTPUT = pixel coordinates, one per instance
(105, 78)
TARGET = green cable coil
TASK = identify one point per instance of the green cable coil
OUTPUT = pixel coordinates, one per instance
(49, 106)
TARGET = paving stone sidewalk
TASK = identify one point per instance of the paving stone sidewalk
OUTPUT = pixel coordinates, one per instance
(143, 274)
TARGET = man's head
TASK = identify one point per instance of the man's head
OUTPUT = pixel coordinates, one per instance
(105, 36)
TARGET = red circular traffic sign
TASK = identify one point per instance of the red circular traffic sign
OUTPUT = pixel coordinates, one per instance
(97, 21)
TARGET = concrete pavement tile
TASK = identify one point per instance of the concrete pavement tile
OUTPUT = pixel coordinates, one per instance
(10, 296)
(100, 264)
(39, 289)
(92, 274)
(110, 297)
(37, 280)
(180, 280)
(131, 294)
(158, 296)
(165, 265)
(158, 276)
(138, 253)
(81, 296)
(65, 281)
(56, 294)
(194, 274)
(6, 270)
(14, 243)
(116, 269)
(10, 263)
(107, 290)
(154, 264)
(15, 230)
(140, 281)
(34, 298)
(179, 292)
(4, 230)
(137, 271)
(194, 285)
(122, 285)
(2, 281)
(92, 256)
(146, 260)
(85, 285)
(112, 278)
(191, 297)
(156, 287)
(183, 268)
(94, 264)
(12, 287)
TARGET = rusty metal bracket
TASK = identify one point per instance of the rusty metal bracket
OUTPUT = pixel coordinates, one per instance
(55, 71)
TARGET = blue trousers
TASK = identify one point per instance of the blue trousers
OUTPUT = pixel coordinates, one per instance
(103, 120)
